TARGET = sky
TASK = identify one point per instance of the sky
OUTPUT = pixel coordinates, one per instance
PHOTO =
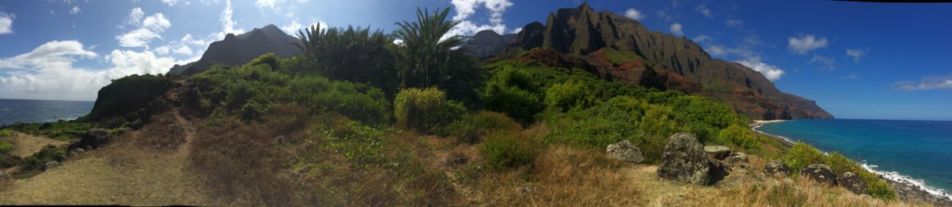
(856, 60)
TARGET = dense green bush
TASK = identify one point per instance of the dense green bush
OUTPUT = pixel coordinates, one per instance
(37, 161)
(621, 118)
(252, 90)
(512, 92)
(740, 136)
(474, 126)
(5, 147)
(353, 54)
(60, 130)
(426, 110)
(509, 149)
(128, 94)
(802, 155)
(568, 95)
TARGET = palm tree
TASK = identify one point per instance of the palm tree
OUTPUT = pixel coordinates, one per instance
(424, 55)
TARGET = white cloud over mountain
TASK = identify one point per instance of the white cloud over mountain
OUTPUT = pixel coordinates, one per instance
(634, 14)
(806, 43)
(467, 8)
(771, 72)
(150, 28)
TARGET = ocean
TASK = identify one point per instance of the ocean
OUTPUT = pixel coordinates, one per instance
(918, 152)
(13, 110)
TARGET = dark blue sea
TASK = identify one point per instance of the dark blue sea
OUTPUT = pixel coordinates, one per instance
(917, 151)
(13, 111)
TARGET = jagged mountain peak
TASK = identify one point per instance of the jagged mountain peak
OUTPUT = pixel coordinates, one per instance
(238, 49)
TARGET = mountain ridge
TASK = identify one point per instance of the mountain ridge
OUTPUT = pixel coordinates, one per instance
(239, 49)
(586, 32)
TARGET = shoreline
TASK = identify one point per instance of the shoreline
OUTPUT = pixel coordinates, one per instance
(907, 188)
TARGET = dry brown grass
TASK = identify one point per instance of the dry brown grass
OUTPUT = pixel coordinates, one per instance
(25, 145)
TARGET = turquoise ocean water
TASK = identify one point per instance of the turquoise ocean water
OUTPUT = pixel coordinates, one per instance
(914, 151)
(13, 111)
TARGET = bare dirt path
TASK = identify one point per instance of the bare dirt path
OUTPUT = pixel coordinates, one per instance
(122, 172)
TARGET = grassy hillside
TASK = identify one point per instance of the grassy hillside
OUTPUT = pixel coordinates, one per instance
(278, 131)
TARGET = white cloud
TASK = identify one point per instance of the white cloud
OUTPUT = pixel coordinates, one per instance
(6, 23)
(634, 14)
(932, 82)
(704, 10)
(48, 71)
(771, 72)
(176, 2)
(734, 23)
(856, 54)
(228, 24)
(806, 43)
(295, 26)
(183, 50)
(516, 30)
(149, 29)
(716, 50)
(827, 62)
(75, 10)
(466, 8)
(271, 4)
(677, 29)
(135, 16)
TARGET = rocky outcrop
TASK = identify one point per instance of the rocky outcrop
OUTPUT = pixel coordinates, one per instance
(684, 160)
(625, 151)
(668, 62)
(531, 36)
(820, 173)
(93, 138)
(776, 168)
(737, 160)
(717, 152)
(851, 182)
(239, 49)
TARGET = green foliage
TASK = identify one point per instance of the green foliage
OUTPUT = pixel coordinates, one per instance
(359, 143)
(568, 95)
(5, 147)
(424, 55)
(702, 116)
(801, 155)
(37, 161)
(474, 126)
(251, 91)
(426, 110)
(128, 94)
(6, 133)
(508, 150)
(354, 54)
(621, 118)
(512, 91)
(740, 136)
(60, 130)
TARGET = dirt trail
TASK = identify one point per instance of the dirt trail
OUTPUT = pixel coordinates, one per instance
(119, 173)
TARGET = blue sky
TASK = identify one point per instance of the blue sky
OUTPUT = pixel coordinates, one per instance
(857, 60)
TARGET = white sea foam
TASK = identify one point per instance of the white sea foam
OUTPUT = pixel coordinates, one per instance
(900, 178)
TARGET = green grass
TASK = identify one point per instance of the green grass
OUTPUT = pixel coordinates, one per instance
(60, 130)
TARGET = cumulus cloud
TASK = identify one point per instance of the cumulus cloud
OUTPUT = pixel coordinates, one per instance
(48, 71)
(295, 26)
(6, 23)
(228, 23)
(135, 16)
(466, 8)
(856, 54)
(634, 14)
(806, 43)
(932, 82)
(75, 10)
(716, 50)
(771, 72)
(677, 29)
(826, 62)
(149, 29)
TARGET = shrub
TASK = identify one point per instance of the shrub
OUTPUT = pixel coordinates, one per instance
(739, 136)
(471, 128)
(508, 150)
(5, 147)
(6, 133)
(512, 92)
(802, 155)
(425, 110)
(564, 96)
(36, 161)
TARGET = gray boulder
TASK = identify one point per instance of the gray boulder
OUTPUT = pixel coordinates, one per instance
(625, 151)
(684, 160)
(717, 152)
(819, 172)
(737, 159)
(852, 182)
(775, 168)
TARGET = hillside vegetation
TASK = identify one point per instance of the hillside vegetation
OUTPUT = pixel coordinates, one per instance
(437, 128)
